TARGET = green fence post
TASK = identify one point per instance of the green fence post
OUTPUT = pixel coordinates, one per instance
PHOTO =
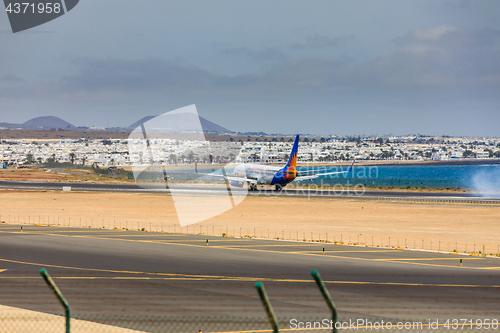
(267, 306)
(59, 295)
(327, 297)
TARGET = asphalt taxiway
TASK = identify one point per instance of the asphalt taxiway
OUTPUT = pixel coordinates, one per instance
(358, 193)
(116, 272)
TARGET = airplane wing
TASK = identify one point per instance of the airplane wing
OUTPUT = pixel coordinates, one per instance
(233, 178)
(230, 177)
(310, 176)
(223, 175)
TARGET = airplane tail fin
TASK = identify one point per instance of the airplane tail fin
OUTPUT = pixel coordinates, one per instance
(292, 160)
(352, 165)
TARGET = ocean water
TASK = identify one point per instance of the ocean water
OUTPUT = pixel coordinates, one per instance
(481, 178)
(477, 177)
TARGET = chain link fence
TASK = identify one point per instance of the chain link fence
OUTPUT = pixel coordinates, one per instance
(46, 323)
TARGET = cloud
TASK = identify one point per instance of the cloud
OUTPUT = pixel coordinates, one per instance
(450, 38)
(114, 78)
(115, 74)
(431, 34)
(457, 5)
(435, 67)
(13, 79)
(266, 54)
(318, 41)
(443, 56)
(440, 56)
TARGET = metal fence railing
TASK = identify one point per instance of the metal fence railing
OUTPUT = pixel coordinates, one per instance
(408, 183)
(473, 247)
(158, 324)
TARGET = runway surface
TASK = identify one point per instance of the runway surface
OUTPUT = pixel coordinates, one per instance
(263, 191)
(106, 273)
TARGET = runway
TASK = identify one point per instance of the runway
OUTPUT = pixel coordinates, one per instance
(262, 191)
(106, 273)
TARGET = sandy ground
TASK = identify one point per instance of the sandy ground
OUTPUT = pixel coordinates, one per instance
(63, 175)
(440, 226)
(16, 320)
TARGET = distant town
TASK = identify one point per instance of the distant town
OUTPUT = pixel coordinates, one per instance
(49, 140)
(272, 149)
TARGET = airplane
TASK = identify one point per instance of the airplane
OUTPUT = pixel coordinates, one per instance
(258, 174)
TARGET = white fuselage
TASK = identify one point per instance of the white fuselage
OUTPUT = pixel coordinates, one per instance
(263, 174)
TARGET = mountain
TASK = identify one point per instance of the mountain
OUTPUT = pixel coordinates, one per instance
(183, 121)
(180, 122)
(10, 125)
(141, 121)
(209, 126)
(47, 122)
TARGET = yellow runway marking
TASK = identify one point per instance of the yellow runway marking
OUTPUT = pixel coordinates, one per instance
(273, 251)
(418, 259)
(146, 233)
(101, 270)
(181, 240)
(2, 270)
(248, 279)
(119, 237)
(329, 251)
(267, 245)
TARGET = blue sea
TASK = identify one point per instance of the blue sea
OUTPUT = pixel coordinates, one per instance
(429, 176)
(482, 178)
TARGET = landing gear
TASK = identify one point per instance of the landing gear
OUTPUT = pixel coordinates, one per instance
(278, 187)
(253, 187)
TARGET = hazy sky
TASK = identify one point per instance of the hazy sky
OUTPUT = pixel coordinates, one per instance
(323, 67)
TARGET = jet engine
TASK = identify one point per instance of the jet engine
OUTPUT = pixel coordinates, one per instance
(236, 183)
